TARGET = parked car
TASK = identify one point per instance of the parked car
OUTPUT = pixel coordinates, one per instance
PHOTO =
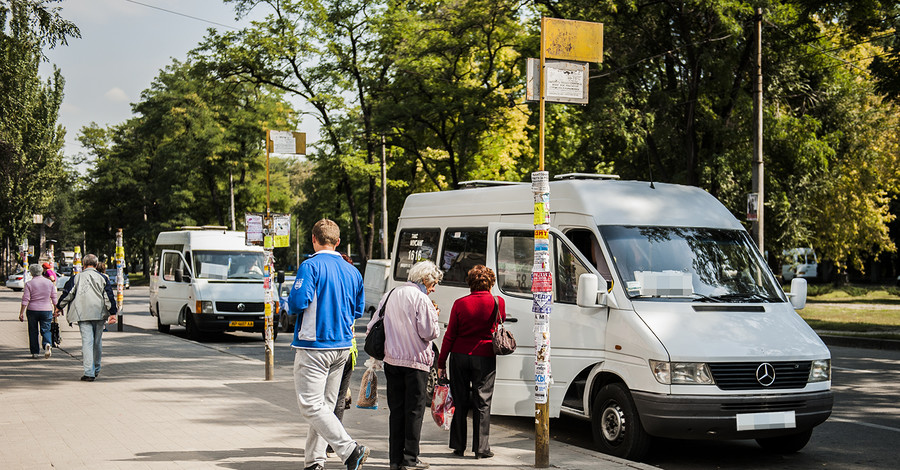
(799, 262)
(285, 319)
(16, 281)
(111, 273)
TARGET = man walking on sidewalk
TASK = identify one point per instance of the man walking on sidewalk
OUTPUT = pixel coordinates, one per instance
(91, 301)
(328, 295)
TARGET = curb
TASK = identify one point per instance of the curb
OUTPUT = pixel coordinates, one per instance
(857, 342)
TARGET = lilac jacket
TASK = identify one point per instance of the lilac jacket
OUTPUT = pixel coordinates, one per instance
(39, 295)
(410, 325)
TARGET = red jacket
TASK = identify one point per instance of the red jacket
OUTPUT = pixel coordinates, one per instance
(471, 326)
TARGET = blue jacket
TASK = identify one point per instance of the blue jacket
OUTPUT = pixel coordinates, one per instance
(328, 295)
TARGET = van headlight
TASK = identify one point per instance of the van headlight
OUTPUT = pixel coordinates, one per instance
(204, 306)
(820, 370)
(681, 373)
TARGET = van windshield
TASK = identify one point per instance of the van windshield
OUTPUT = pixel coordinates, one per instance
(714, 265)
(228, 264)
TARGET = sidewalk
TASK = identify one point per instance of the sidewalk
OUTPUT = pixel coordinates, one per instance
(164, 402)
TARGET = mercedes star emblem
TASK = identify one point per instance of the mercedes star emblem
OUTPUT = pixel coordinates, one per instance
(765, 374)
(241, 307)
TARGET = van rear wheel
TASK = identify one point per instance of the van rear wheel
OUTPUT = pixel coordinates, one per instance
(616, 425)
(786, 444)
(159, 325)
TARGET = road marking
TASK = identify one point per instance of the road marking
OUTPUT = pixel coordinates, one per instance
(876, 426)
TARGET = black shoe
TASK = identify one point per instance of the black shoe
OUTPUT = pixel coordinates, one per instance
(484, 455)
(85, 378)
(459, 452)
(419, 465)
(357, 457)
(328, 450)
(315, 466)
(395, 466)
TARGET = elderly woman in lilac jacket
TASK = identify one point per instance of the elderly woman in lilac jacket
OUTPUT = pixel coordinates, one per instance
(410, 325)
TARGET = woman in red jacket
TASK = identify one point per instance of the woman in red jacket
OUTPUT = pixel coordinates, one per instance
(473, 364)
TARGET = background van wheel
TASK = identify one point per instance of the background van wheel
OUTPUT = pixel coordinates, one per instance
(159, 326)
(283, 322)
(616, 425)
(785, 444)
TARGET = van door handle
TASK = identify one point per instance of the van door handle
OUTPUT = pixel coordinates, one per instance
(511, 320)
(162, 287)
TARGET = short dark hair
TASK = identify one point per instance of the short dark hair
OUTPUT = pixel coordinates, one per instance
(326, 232)
(480, 277)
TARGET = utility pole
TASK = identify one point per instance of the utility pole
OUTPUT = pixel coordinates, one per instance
(384, 212)
(757, 180)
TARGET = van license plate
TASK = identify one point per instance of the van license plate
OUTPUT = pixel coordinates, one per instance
(240, 323)
(775, 420)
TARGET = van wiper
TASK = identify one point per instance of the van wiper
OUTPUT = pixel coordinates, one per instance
(743, 297)
(705, 298)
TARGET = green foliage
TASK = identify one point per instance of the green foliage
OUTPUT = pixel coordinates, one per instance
(815, 290)
(30, 139)
(854, 291)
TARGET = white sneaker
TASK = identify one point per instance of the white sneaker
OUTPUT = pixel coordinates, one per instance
(47, 351)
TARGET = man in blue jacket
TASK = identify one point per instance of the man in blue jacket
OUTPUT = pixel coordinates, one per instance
(328, 295)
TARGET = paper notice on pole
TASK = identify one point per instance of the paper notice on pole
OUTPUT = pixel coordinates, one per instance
(282, 230)
(543, 301)
(565, 83)
(541, 282)
(253, 224)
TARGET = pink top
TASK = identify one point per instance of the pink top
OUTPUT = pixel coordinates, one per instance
(40, 294)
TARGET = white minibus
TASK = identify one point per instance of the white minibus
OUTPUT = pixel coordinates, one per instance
(666, 321)
(208, 280)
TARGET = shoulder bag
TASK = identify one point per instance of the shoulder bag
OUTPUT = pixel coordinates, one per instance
(503, 341)
(374, 346)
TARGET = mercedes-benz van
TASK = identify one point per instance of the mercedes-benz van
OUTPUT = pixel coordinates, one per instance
(666, 321)
(208, 280)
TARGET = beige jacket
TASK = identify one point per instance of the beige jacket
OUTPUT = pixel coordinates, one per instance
(89, 297)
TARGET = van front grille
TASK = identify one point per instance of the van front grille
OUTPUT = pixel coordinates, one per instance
(249, 307)
(743, 375)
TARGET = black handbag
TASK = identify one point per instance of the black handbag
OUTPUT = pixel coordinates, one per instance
(502, 340)
(374, 346)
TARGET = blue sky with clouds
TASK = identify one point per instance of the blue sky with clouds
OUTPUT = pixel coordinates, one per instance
(123, 46)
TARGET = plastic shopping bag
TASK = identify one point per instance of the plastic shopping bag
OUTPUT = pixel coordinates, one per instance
(368, 388)
(442, 406)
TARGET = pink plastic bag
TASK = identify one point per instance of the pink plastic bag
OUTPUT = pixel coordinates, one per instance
(442, 406)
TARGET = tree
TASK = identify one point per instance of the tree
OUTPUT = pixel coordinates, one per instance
(30, 139)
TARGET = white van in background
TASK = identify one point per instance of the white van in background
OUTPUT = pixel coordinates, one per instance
(666, 320)
(208, 280)
(375, 281)
(799, 262)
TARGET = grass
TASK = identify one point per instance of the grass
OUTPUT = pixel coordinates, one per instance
(870, 311)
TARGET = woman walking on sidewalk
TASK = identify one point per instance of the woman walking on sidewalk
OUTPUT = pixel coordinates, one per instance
(38, 299)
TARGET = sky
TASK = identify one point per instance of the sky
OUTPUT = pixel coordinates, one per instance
(123, 46)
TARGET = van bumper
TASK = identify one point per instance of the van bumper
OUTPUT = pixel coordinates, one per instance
(715, 417)
(217, 322)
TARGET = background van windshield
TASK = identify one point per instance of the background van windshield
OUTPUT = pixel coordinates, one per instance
(228, 265)
(715, 264)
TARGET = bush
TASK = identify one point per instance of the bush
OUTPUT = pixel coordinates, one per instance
(854, 291)
(814, 290)
(892, 290)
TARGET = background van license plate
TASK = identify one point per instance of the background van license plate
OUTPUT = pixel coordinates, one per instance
(240, 323)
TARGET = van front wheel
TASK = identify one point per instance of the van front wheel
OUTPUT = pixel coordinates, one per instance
(786, 444)
(159, 324)
(193, 333)
(616, 425)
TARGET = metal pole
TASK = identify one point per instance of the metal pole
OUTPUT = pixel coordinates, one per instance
(384, 211)
(120, 278)
(231, 195)
(268, 243)
(757, 180)
(541, 406)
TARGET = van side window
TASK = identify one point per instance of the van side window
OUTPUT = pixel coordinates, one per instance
(463, 249)
(171, 262)
(415, 245)
(515, 260)
(568, 269)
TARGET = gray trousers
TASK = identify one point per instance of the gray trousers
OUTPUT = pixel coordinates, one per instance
(317, 378)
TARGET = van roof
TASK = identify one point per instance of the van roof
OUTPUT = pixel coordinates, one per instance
(609, 202)
(215, 239)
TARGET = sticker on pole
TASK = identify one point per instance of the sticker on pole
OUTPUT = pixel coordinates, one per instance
(541, 282)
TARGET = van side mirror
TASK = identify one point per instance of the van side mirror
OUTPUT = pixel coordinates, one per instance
(279, 278)
(179, 275)
(591, 295)
(798, 293)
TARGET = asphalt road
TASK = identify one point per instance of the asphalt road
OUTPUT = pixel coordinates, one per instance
(862, 433)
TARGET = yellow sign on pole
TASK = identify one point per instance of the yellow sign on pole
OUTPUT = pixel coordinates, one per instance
(573, 40)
